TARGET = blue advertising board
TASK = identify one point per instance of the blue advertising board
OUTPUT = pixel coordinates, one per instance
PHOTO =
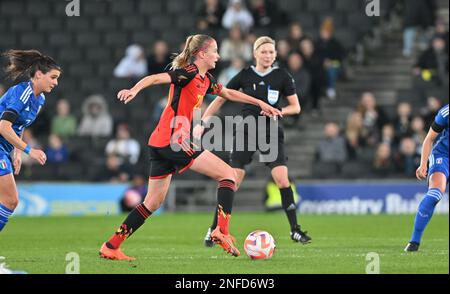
(69, 199)
(315, 198)
(364, 198)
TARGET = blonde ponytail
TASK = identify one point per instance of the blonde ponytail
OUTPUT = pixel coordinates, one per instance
(194, 44)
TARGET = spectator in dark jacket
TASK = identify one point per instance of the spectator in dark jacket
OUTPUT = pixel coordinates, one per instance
(373, 118)
(432, 65)
(331, 50)
(283, 50)
(301, 76)
(407, 159)
(430, 111)
(210, 15)
(441, 31)
(417, 14)
(113, 171)
(265, 13)
(296, 35)
(159, 60)
(402, 122)
(333, 148)
(314, 64)
(383, 164)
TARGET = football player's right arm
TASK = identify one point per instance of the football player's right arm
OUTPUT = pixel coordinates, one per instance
(157, 79)
(8, 133)
(17, 158)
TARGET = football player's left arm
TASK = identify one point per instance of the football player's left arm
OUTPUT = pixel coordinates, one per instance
(293, 106)
(213, 108)
(237, 96)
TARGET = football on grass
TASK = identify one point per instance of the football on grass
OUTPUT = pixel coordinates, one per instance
(259, 245)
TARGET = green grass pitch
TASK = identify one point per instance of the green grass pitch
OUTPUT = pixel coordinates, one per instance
(173, 243)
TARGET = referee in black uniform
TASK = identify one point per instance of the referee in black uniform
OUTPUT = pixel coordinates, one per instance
(269, 84)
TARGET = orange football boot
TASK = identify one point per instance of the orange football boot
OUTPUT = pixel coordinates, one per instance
(225, 241)
(113, 254)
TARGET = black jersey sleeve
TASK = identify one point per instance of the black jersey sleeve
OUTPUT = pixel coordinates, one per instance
(235, 82)
(214, 86)
(183, 76)
(289, 87)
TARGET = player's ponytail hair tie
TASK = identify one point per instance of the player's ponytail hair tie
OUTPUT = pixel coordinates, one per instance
(261, 41)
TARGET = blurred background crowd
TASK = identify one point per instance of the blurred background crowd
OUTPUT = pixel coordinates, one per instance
(369, 86)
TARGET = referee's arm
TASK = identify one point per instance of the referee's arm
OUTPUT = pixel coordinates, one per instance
(293, 107)
(237, 96)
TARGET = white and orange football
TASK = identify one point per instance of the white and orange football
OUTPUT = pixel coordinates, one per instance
(259, 245)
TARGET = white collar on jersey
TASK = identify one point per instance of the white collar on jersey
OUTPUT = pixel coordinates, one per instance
(263, 74)
(30, 84)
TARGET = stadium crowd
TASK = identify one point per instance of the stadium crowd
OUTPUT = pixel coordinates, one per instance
(378, 144)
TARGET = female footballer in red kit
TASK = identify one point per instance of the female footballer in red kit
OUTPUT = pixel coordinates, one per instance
(190, 82)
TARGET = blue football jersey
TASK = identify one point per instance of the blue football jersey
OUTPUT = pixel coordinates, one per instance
(21, 100)
(441, 146)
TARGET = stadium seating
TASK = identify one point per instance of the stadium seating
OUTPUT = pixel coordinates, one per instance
(89, 46)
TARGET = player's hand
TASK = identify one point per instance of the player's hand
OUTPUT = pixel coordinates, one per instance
(126, 95)
(17, 163)
(421, 172)
(198, 130)
(38, 155)
(269, 111)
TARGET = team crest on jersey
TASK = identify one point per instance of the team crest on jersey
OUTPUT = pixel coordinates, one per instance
(217, 88)
(439, 160)
(3, 164)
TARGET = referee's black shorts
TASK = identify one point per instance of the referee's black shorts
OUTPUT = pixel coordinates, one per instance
(240, 157)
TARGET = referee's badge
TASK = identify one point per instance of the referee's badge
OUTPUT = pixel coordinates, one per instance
(272, 96)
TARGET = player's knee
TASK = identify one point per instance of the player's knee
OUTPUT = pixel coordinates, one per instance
(284, 185)
(11, 202)
(229, 174)
(152, 203)
(440, 186)
(282, 182)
